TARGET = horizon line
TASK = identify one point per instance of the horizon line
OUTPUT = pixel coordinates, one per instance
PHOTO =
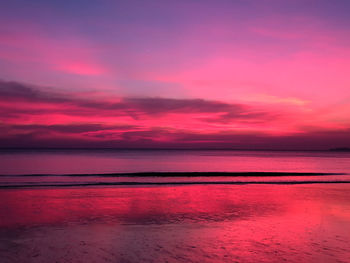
(173, 149)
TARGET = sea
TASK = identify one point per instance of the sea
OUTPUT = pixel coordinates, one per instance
(174, 206)
(26, 168)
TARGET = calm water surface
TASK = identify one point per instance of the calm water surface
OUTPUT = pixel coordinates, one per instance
(100, 163)
(173, 223)
(207, 223)
(94, 162)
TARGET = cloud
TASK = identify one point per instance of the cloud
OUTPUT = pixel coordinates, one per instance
(162, 138)
(16, 91)
(68, 128)
(73, 104)
(33, 116)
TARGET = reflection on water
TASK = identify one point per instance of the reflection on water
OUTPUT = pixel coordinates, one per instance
(207, 223)
(134, 205)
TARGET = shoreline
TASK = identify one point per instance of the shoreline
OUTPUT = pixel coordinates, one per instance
(198, 223)
(169, 184)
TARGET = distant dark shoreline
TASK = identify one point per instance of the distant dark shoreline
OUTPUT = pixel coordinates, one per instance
(188, 174)
(342, 149)
(43, 149)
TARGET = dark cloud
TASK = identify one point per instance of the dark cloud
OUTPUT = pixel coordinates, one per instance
(165, 105)
(66, 128)
(92, 133)
(15, 91)
(246, 116)
(150, 138)
(133, 107)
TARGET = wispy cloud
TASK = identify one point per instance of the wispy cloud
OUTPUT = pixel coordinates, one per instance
(36, 116)
(20, 94)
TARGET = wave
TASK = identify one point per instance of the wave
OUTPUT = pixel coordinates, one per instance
(169, 178)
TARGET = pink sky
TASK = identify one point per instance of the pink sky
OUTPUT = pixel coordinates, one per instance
(254, 74)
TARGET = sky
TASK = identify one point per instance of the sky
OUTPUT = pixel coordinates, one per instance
(245, 74)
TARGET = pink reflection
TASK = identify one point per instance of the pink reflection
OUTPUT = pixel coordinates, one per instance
(178, 224)
(139, 205)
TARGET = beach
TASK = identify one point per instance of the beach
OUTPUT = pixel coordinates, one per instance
(175, 131)
(188, 223)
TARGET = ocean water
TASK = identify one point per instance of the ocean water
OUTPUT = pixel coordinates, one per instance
(26, 168)
(124, 161)
(109, 215)
(192, 223)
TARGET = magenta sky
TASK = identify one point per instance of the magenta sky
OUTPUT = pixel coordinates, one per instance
(222, 74)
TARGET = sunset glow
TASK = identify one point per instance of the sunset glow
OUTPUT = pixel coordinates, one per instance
(175, 74)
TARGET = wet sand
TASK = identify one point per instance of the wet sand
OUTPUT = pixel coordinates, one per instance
(192, 223)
